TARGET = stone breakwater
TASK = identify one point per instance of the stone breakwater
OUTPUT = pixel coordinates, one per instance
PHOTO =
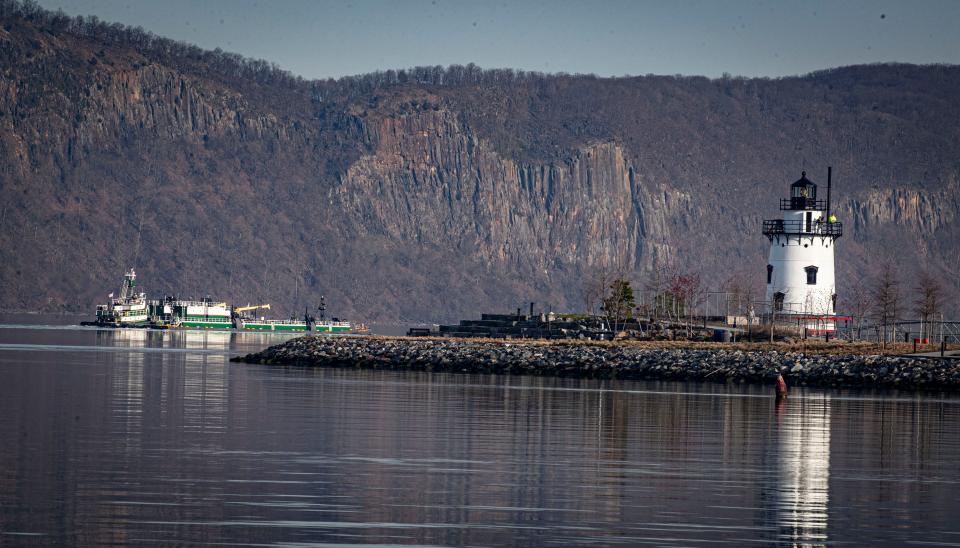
(613, 361)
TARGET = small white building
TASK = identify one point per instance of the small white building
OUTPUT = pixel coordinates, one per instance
(801, 283)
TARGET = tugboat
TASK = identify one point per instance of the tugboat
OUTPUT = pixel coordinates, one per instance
(129, 309)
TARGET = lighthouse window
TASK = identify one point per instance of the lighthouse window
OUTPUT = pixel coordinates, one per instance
(811, 275)
(769, 273)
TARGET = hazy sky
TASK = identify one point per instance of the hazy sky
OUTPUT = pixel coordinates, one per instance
(318, 39)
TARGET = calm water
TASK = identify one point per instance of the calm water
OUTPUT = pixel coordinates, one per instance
(135, 437)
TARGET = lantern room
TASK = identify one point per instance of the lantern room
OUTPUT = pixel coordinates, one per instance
(803, 195)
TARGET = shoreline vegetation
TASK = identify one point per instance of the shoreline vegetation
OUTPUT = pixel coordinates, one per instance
(838, 364)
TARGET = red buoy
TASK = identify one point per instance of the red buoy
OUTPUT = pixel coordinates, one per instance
(781, 387)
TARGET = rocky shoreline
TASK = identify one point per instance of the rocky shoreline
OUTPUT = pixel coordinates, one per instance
(614, 361)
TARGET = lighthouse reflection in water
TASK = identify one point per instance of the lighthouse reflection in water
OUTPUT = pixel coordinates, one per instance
(800, 491)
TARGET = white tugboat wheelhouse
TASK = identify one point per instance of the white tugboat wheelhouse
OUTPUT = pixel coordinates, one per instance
(801, 281)
(127, 309)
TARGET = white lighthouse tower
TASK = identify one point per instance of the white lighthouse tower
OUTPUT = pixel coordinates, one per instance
(801, 284)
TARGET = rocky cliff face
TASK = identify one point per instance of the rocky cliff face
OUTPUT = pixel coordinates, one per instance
(417, 198)
(919, 211)
(901, 225)
(427, 180)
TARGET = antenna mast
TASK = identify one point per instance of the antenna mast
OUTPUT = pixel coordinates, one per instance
(829, 185)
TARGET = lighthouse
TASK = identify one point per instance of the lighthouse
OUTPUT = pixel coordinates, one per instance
(801, 284)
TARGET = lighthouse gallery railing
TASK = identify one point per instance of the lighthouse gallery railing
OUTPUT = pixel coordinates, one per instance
(780, 227)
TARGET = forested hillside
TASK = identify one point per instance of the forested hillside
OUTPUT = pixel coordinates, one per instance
(435, 192)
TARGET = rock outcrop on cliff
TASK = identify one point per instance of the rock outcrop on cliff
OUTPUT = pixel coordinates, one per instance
(436, 193)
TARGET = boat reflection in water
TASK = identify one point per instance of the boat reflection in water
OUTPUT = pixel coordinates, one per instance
(184, 380)
(801, 488)
(124, 337)
(202, 340)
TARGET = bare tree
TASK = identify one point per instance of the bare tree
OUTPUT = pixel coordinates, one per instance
(886, 299)
(657, 283)
(687, 292)
(928, 300)
(594, 289)
(740, 294)
(860, 305)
